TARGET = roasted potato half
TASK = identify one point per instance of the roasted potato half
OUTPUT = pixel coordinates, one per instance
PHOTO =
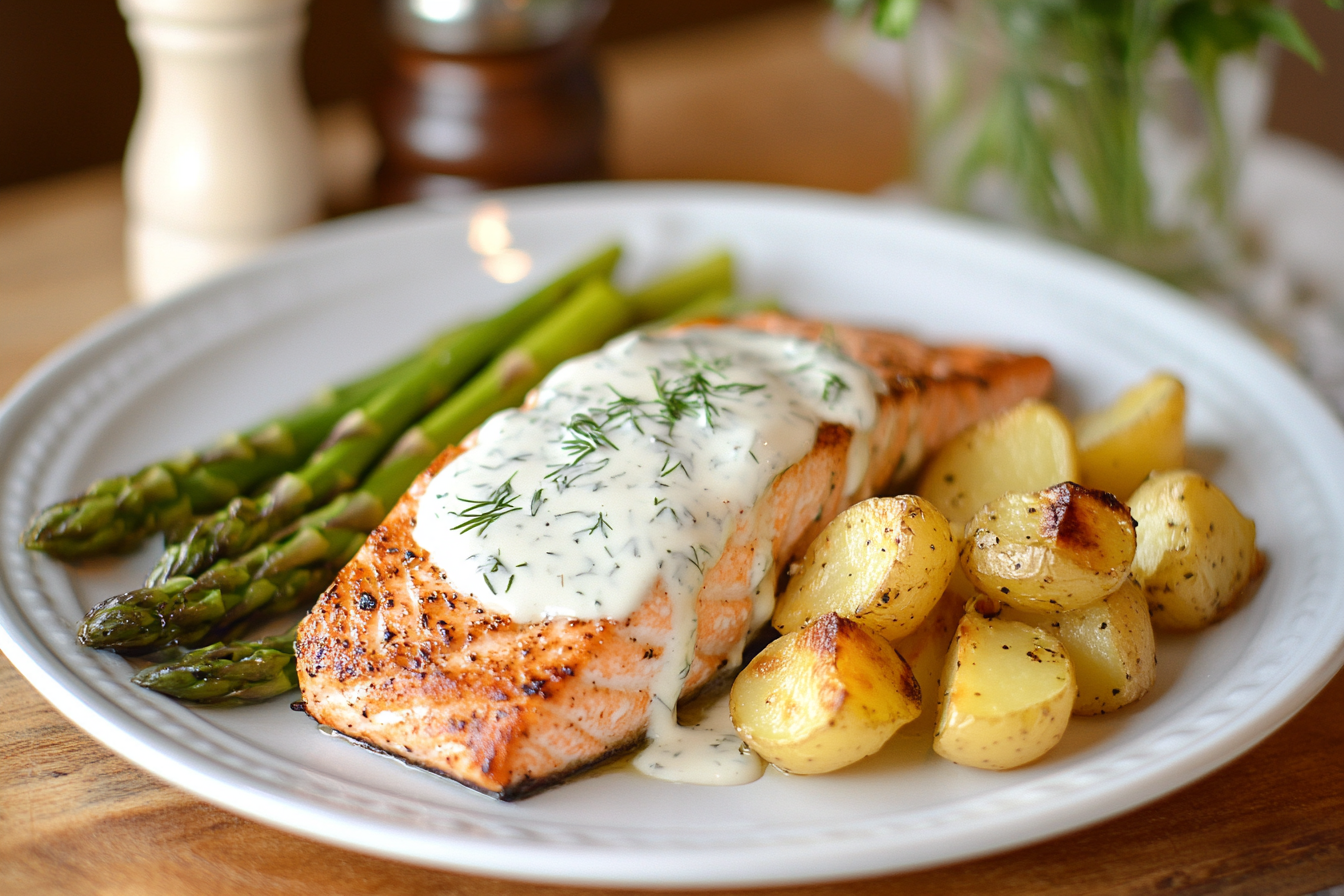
(1050, 551)
(883, 562)
(1110, 644)
(1196, 552)
(925, 649)
(823, 697)
(1142, 431)
(1023, 449)
(1008, 689)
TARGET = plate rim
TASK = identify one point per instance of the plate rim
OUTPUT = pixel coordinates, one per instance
(63, 694)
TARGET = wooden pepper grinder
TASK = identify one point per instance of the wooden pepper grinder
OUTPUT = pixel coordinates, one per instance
(488, 93)
(222, 158)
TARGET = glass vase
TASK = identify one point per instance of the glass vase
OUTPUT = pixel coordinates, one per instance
(1032, 114)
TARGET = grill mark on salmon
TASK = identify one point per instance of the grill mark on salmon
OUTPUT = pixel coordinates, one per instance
(392, 656)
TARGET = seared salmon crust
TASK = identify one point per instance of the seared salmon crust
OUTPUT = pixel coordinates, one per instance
(397, 659)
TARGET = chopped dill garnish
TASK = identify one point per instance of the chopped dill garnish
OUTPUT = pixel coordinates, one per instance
(693, 394)
(479, 514)
(623, 409)
(664, 507)
(698, 392)
(585, 435)
(695, 558)
(834, 388)
(670, 468)
(601, 525)
(566, 475)
(496, 564)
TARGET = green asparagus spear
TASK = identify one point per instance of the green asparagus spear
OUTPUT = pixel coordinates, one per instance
(361, 436)
(277, 576)
(116, 514)
(711, 276)
(227, 674)
(716, 307)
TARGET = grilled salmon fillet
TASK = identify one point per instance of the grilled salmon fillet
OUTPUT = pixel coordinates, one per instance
(394, 657)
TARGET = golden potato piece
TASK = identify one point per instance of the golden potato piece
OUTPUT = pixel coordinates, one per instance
(1055, 550)
(1196, 552)
(1110, 644)
(1008, 689)
(925, 651)
(1142, 431)
(1023, 449)
(883, 562)
(823, 697)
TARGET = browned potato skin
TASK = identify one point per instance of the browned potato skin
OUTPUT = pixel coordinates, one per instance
(1056, 550)
(883, 563)
(823, 697)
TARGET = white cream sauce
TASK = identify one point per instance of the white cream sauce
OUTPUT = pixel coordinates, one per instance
(708, 752)
(635, 465)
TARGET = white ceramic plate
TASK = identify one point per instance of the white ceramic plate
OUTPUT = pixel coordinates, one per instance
(338, 299)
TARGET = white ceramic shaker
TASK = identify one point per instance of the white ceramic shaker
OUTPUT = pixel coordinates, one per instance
(222, 158)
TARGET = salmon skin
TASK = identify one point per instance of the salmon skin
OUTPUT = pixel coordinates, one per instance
(395, 658)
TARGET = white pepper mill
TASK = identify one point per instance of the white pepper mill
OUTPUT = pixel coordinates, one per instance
(222, 158)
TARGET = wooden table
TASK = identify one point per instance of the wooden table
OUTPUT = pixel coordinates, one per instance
(76, 819)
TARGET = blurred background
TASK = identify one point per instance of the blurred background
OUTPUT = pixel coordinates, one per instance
(749, 90)
(69, 86)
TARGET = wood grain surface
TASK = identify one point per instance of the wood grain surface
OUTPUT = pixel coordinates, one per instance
(75, 819)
